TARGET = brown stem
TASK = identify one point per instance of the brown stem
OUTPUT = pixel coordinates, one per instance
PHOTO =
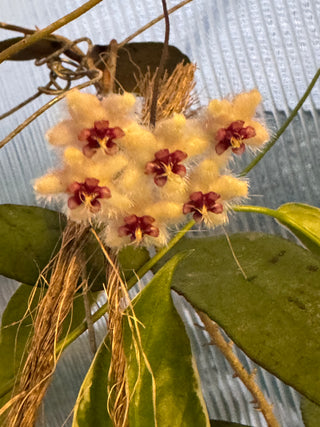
(38, 35)
(45, 108)
(151, 23)
(163, 59)
(109, 72)
(21, 105)
(16, 28)
(248, 379)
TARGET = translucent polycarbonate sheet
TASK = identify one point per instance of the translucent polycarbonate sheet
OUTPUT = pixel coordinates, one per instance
(272, 45)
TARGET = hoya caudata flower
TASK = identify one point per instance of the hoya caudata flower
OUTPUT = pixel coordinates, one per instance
(138, 182)
(233, 125)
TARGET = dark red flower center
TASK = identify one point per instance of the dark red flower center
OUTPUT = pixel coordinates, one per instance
(166, 164)
(137, 227)
(200, 204)
(87, 193)
(232, 136)
(100, 136)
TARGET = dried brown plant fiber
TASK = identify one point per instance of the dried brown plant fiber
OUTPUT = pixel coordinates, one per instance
(118, 300)
(117, 388)
(120, 305)
(175, 92)
(51, 312)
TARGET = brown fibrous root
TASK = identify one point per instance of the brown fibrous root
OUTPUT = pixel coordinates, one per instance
(65, 271)
(176, 92)
(118, 301)
(118, 395)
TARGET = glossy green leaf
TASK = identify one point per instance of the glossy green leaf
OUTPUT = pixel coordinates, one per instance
(301, 219)
(310, 413)
(165, 345)
(91, 405)
(136, 58)
(16, 331)
(304, 221)
(29, 236)
(167, 349)
(273, 315)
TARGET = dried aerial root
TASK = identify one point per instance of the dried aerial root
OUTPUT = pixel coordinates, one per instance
(118, 399)
(247, 379)
(51, 312)
(118, 300)
(175, 92)
(119, 304)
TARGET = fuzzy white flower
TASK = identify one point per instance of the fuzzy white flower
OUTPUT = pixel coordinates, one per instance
(137, 181)
(232, 124)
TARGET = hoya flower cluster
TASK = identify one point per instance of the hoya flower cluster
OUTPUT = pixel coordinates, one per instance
(138, 182)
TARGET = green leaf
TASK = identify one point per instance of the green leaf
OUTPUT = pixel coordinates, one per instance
(136, 58)
(91, 405)
(131, 259)
(16, 331)
(167, 349)
(273, 315)
(165, 346)
(303, 220)
(29, 236)
(310, 413)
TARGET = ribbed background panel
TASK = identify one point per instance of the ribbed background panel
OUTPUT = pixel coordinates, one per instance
(272, 45)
